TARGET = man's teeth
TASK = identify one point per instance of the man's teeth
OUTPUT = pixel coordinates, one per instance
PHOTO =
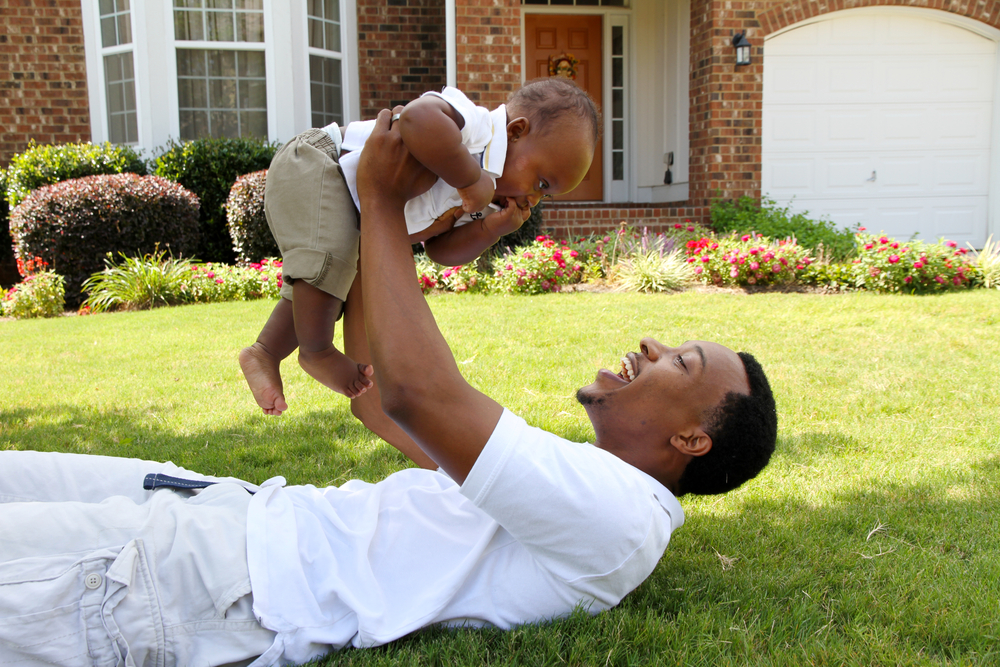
(627, 369)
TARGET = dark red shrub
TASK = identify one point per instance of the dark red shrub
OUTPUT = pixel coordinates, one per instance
(73, 225)
(252, 239)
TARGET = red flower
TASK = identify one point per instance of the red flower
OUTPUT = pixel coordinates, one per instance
(893, 259)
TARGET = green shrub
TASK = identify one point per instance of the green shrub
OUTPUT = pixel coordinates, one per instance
(886, 265)
(40, 294)
(248, 228)
(653, 264)
(153, 280)
(209, 167)
(988, 264)
(746, 260)
(74, 224)
(428, 272)
(6, 244)
(835, 275)
(747, 217)
(45, 165)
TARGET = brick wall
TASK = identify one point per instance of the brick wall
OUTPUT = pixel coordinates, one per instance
(726, 101)
(43, 75)
(565, 222)
(488, 49)
(401, 51)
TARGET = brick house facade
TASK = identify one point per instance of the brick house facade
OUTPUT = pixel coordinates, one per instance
(402, 52)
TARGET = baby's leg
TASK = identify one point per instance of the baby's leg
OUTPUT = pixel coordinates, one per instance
(315, 314)
(260, 362)
(368, 407)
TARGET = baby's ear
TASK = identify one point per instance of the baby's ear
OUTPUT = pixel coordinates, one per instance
(517, 128)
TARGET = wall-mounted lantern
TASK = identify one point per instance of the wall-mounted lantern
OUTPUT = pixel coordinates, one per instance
(742, 47)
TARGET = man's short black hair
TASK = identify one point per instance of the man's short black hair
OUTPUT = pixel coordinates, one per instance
(743, 428)
(547, 100)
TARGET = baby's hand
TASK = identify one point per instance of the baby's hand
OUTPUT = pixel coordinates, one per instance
(477, 196)
(508, 219)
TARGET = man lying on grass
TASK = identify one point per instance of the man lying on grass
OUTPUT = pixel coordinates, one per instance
(518, 526)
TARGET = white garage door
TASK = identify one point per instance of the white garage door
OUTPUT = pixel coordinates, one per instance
(882, 119)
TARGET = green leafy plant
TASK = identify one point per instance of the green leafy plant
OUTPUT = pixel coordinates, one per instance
(886, 265)
(428, 272)
(74, 224)
(209, 167)
(252, 238)
(746, 260)
(6, 244)
(746, 216)
(155, 279)
(41, 294)
(137, 283)
(988, 263)
(45, 165)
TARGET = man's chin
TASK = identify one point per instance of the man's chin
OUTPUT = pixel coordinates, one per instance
(584, 398)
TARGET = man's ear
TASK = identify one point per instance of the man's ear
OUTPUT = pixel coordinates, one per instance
(517, 128)
(693, 443)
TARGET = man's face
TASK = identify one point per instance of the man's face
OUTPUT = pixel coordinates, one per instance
(552, 162)
(660, 391)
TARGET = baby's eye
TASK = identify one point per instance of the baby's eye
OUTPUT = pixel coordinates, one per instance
(542, 185)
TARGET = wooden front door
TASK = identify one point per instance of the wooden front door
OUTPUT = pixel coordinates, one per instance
(563, 45)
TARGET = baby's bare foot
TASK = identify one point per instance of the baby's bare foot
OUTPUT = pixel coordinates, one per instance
(337, 371)
(260, 369)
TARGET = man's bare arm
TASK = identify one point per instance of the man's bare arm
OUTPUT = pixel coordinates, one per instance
(422, 388)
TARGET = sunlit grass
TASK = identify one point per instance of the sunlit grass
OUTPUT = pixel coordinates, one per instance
(873, 538)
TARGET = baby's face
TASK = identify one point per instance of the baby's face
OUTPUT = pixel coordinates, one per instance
(549, 163)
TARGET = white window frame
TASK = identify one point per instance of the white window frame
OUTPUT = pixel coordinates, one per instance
(289, 109)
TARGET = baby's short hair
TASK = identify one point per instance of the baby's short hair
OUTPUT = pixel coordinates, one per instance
(544, 101)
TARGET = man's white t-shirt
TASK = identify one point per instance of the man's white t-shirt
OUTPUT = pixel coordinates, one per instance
(484, 134)
(540, 527)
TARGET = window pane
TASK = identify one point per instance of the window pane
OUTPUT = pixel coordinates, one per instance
(107, 7)
(618, 134)
(189, 26)
(618, 166)
(332, 10)
(315, 8)
(219, 20)
(219, 4)
(124, 29)
(227, 98)
(316, 33)
(120, 95)
(617, 41)
(123, 5)
(220, 27)
(617, 103)
(108, 35)
(617, 75)
(333, 37)
(249, 27)
(326, 91)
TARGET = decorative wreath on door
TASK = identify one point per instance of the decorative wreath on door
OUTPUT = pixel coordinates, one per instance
(564, 65)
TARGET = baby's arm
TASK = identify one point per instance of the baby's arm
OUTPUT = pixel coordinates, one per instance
(460, 245)
(432, 131)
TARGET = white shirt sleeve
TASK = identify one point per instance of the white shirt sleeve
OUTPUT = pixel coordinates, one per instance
(478, 128)
(585, 515)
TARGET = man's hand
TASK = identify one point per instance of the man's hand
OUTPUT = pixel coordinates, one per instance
(477, 196)
(392, 173)
(508, 219)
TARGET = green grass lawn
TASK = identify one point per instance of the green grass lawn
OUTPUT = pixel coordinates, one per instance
(873, 537)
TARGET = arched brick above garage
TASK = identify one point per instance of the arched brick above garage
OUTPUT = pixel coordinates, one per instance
(783, 14)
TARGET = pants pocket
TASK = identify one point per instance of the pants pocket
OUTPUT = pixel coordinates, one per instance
(92, 609)
(50, 611)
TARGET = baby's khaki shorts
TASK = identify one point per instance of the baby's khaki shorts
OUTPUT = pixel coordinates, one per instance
(312, 215)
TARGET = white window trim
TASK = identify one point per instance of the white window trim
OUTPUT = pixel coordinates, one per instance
(289, 109)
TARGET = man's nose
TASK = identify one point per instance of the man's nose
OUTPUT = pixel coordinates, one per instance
(651, 347)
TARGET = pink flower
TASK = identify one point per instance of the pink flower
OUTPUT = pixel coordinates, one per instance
(745, 237)
(706, 258)
(950, 244)
(861, 229)
(559, 273)
(752, 280)
(698, 270)
(799, 267)
(776, 268)
(869, 246)
(754, 266)
(893, 259)
(540, 238)
(690, 228)
(275, 263)
(957, 280)
(194, 268)
(574, 253)
(447, 273)
(894, 245)
(528, 255)
(908, 279)
(211, 274)
(940, 279)
(521, 272)
(606, 239)
(577, 267)
(754, 251)
(265, 278)
(692, 259)
(218, 280)
(678, 225)
(734, 272)
(509, 267)
(918, 265)
(883, 239)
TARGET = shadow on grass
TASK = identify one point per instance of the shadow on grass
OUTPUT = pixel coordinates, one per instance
(321, 447)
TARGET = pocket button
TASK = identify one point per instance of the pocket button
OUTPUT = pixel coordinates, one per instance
(93, 581)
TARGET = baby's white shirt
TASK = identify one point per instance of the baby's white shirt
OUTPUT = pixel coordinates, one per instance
(484, 134)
